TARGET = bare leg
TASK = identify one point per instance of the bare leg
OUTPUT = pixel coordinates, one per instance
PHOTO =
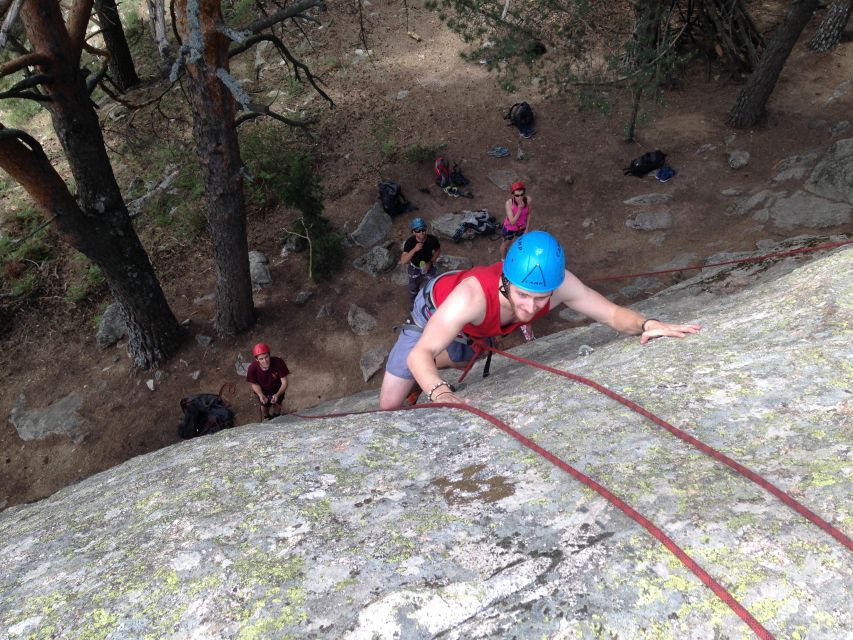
(505, 244)
(394, 391)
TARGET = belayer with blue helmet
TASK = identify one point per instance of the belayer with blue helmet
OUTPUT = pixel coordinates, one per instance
(420, 252)
(486, 302)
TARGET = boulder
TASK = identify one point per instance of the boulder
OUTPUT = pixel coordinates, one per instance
(112, 326)
(374, 227)
(650, 221)
(649, 198)
(446, 224)
(433, 523)
(376, 261)
(743, 205)
(259, 269)
(58, 418)
(832, 178)
(503, 179)
(447, 263)
(372, 361)
(794, 167)
(803, 209)
(303, 296)
(400, 276)
(360, 321)
(738, 158)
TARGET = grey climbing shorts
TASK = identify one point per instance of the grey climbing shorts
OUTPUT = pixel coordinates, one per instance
(396, 365)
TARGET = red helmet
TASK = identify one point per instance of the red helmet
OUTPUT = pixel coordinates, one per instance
(517, 186)
(259, 349)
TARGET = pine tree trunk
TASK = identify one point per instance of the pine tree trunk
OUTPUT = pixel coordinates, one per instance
(828, 34)
(97, 224)
(157, 16)
(218, 152)
(122, 71)
(751, 104)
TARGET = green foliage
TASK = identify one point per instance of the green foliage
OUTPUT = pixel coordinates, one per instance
(179, 208)
(16, 112)
(240, 12)
(578, 46)
(24, 251)
(302, 188)
(419, 153)
(86, 279)
(265, 150)
(594, 98)
(382, 141)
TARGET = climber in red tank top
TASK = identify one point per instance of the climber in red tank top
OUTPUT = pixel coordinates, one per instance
(490, 301)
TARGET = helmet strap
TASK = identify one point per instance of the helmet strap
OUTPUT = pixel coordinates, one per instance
(504, 288)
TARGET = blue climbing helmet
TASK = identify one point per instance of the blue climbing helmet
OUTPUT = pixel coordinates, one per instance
(535, 262)
(418, 223)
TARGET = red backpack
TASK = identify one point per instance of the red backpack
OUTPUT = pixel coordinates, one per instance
(442, 172)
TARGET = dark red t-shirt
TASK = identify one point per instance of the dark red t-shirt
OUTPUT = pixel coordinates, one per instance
(269, 380)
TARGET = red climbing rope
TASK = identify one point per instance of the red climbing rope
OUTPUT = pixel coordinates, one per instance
(718, 589)
(778, 254)
(704, 448)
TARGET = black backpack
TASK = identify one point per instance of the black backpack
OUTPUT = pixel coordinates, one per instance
(646, 163)
(393, 200)
(456, 177)
(204, 413)
(521, 115)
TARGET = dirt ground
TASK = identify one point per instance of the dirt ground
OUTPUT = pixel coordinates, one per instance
(572, 170)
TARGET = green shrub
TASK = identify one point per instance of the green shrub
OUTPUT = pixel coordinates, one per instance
(420, 153)
(88, 279)
(302, 188)
(25, 285)
(382, 141)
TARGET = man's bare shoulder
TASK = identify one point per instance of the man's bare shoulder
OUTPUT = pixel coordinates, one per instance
(466, 303)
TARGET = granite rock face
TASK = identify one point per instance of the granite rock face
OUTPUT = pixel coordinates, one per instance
(434, 523)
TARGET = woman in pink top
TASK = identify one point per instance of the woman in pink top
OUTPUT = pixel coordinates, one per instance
(517, 219)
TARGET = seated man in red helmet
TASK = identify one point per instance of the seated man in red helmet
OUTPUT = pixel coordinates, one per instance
(267, 376)
(486, 302)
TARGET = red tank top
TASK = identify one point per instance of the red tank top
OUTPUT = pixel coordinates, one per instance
(490, 282)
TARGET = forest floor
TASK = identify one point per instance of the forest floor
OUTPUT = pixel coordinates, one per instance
(573, 171)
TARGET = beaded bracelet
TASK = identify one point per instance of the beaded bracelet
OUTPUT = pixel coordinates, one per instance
(441, 383)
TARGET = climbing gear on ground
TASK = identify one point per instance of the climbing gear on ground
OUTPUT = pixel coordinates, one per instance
(417, 224)
(441, 170)
(456, 177)
(535, 262)
(498, 152)
(527, 332)
(393, 201)
(454, 192)
(521, 116)
(260, 349)
(205, 413)
(664, 174)
(475, 223)
(646, 163)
